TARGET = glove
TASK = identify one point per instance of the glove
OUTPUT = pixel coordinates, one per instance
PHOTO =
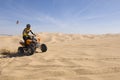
(34, 34)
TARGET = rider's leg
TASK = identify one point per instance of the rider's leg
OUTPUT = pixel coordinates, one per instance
(25, 38)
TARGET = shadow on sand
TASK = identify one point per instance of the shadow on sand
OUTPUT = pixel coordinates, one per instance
(10, 55)
(13, 54)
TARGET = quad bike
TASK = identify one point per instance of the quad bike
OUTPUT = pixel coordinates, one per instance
(30, 46)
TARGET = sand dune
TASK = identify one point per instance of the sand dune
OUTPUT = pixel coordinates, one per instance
(69, 57)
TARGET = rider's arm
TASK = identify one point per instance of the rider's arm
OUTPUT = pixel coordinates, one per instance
(32, 32)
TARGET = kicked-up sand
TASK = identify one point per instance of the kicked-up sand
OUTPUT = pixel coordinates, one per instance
(69, 57)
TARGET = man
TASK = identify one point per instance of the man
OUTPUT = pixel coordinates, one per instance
(26, 32)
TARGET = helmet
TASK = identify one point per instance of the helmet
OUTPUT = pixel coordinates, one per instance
(28, 26)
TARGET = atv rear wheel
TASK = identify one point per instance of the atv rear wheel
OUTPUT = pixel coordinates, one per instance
(20, 50)
(29, 51)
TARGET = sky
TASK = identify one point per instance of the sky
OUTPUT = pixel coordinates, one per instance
(65, 16)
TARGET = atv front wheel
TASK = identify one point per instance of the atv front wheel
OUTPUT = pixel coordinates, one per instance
(43, 48)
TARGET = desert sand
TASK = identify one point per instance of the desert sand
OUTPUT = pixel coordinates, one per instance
(69, 57)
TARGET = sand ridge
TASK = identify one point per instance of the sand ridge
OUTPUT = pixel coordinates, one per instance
(69, 57)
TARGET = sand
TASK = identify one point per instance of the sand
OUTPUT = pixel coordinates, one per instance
(69, 57)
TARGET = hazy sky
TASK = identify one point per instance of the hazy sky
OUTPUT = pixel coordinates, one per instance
(67, 16)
